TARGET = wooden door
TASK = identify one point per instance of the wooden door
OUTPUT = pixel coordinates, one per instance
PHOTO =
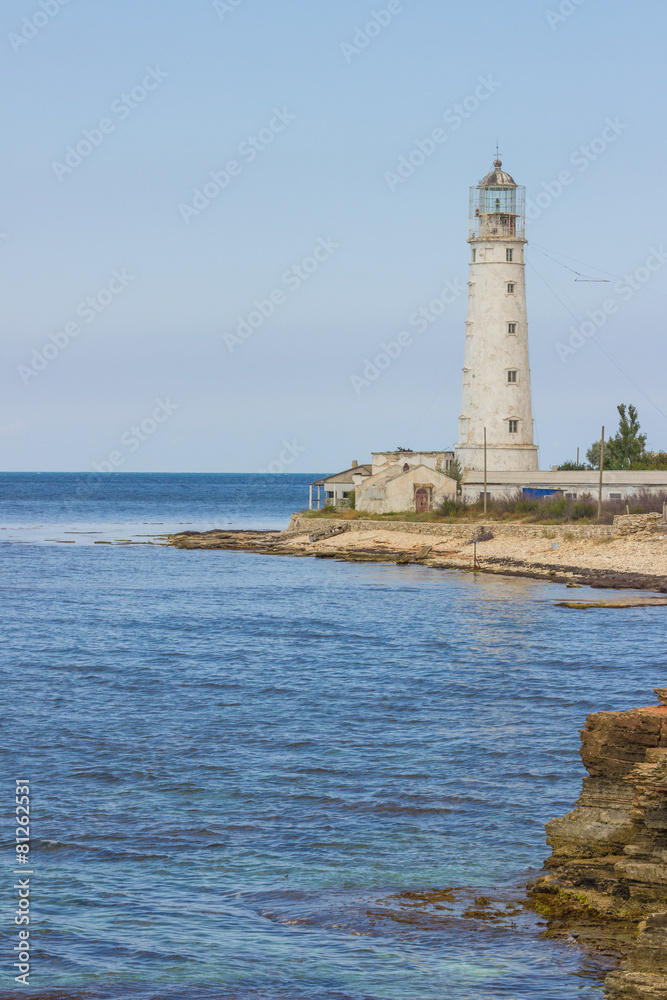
(421, 500)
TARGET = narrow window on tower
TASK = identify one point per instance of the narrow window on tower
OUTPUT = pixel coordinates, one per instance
(514, 426)
(511, 329)
(509, 255)
(512, 375)
(471, 289)
(510, 287)
(474, 255)
(468, 328)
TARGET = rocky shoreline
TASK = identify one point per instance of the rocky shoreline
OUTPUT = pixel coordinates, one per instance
(630, 554)
(606, 880)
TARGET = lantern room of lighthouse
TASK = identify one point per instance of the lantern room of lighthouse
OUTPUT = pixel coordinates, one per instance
(496, 394)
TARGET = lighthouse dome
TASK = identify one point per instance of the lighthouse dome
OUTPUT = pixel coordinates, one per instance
(497, 177)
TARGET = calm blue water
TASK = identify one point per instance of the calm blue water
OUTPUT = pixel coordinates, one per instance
(239, 763)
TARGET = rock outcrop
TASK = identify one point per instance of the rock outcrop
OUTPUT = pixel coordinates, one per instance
(606, 879)
(565, 553)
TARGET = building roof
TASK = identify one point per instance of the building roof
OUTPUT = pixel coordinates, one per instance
(404, 454)
(396, 471)
(497, 177)
(346, 476)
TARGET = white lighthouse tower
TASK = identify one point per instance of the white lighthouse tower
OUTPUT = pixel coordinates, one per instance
(496, 374)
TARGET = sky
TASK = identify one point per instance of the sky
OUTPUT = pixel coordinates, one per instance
(218, 214)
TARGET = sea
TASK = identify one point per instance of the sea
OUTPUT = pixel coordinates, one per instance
(272, 778)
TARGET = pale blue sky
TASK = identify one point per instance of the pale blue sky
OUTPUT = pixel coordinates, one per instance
(332, 122)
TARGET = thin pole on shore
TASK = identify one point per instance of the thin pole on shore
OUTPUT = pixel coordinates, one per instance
(601, 471)
(484, 471)
(474, 557)
(577, 456)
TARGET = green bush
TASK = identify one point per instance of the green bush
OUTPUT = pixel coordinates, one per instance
(455, 507)
(586, 507)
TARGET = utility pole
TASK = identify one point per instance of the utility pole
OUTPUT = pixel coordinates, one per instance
(485, 471)
(601, 470)
(577, 456)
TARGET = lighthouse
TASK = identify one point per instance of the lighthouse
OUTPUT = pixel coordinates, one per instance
(496, 373)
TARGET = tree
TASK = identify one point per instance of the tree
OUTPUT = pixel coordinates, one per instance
(455, 471)
(593, 456)
(627, 448)
(573, 467)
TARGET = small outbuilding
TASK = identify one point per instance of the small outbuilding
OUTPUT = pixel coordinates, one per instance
(401, 487)
(395, 482)
(334, 491)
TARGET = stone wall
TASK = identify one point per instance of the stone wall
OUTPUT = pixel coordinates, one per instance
(628, 524)
(557, 532)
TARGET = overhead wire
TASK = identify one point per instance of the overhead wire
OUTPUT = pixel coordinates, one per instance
(546, 252)
(605, 351)
(427, 408)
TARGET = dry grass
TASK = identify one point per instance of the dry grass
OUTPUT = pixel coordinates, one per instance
(516, 507)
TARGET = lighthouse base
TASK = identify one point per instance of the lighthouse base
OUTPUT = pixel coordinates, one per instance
(505, 458)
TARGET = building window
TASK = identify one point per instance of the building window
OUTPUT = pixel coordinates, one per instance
(511, 287)
(468, 329)
(509, 254)
(614, 496)
(474, 256)
(471, 289)
(570, 496)
(512, 375)
(466, 376)
(511, 328)
(514, 426)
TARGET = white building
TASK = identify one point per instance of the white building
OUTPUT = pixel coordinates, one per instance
(622, 484)
(496, 399)
(496, 373)
(334, 491)
(396, 481)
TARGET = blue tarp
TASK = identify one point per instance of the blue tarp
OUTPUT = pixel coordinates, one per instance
(532, 493)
